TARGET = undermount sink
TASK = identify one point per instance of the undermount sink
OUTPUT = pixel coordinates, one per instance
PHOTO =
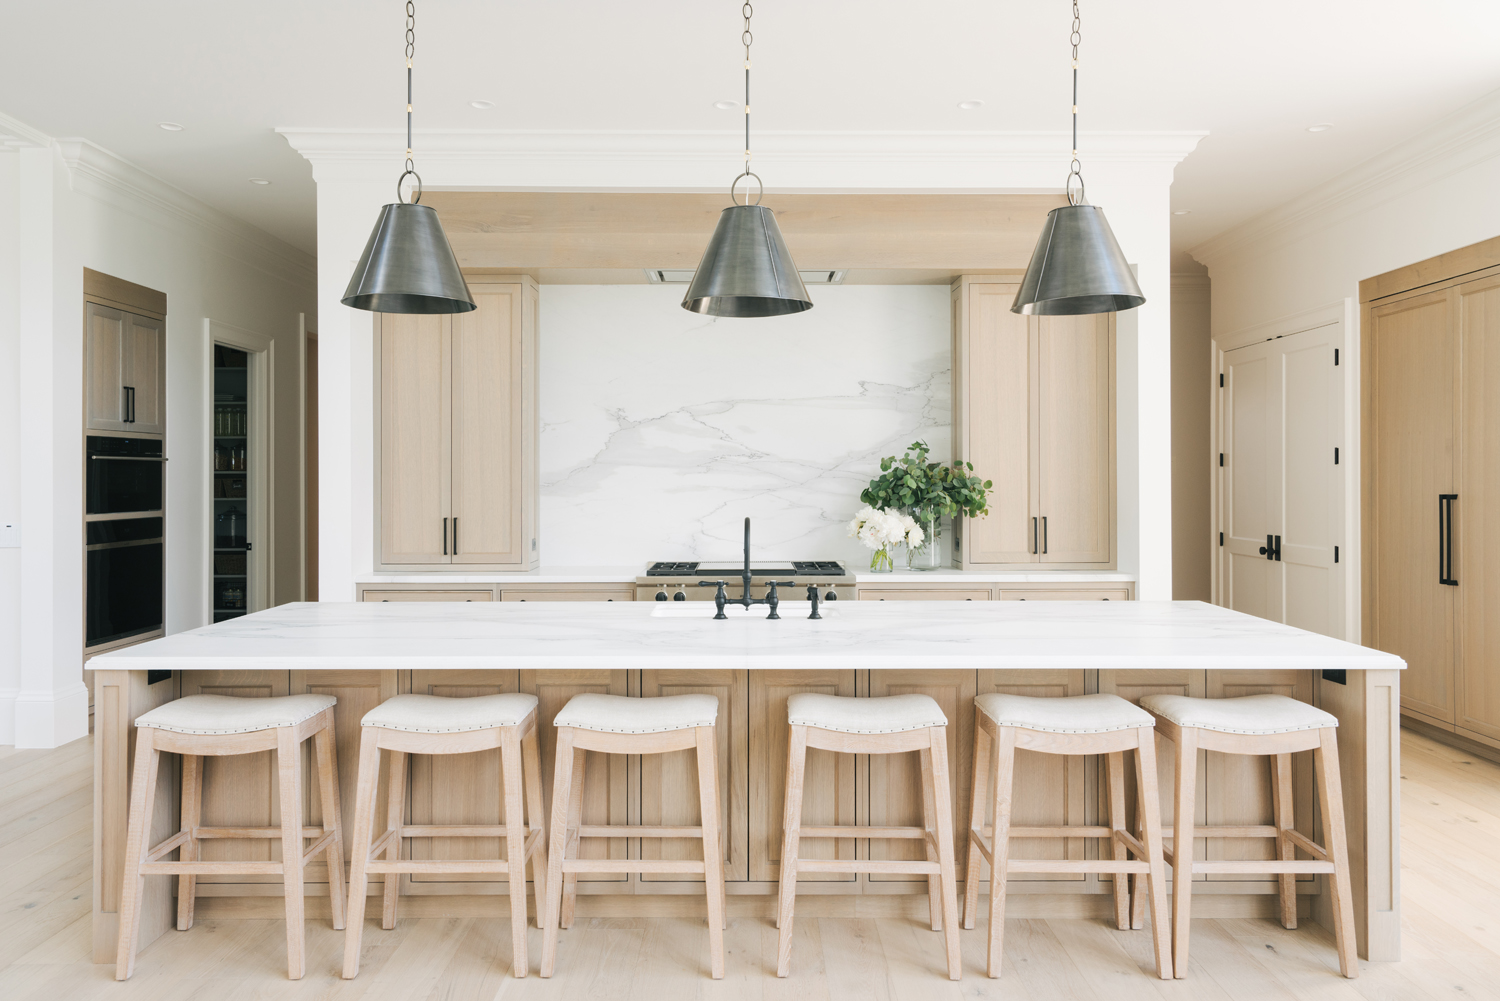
(705, 610)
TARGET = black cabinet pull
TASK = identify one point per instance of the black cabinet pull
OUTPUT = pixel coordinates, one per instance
(1035, 546)
(1044, 533)
(445, 536)
(129, 417)
(455, 535)
(1445, 539)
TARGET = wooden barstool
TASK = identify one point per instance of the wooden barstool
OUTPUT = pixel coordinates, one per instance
(217, 725)
(890, 724)
(615, 724)
(1276, 726)
(1083, 724)
(432, 724)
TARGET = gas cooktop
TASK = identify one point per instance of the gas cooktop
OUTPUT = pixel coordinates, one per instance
(766, 568)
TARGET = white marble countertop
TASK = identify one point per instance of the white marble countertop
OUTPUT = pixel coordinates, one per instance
(628, 574)
(889, 634)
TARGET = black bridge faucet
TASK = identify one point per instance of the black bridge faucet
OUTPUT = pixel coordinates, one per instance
(771, 598)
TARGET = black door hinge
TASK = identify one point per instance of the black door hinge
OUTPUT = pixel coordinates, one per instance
(1221, 380)
(1221, 460)
(1221, 538)
(1335, 554)
(1335, 455)
(1335, 356)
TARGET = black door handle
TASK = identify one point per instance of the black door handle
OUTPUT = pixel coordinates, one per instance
(1445, 539)
(1278, 549)
(1269, 549)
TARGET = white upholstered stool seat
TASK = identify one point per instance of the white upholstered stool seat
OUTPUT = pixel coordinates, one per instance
(1253, 714)
(622, 714)
(220, 714)
(885, 714)
(1078, 714)
(438, 714)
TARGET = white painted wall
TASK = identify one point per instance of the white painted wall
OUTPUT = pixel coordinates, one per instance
(76, 206)
(1429, 194)
(1129, 175)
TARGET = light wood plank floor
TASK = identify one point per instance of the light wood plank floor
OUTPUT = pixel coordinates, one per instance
(1451, 896)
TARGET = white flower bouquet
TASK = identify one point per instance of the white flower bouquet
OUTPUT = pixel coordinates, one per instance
(882, 530)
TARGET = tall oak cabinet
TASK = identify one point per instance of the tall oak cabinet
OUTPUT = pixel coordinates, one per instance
(457, 450)
(1431, 485)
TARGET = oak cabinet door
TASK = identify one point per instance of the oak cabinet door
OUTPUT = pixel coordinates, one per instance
(1476, 530)
(371, 594)
(1074, 405)
(625, 592)
(145, 355)
(828, 784)
(669, 782)
(925, 594)
(415, 437)
(105, 379)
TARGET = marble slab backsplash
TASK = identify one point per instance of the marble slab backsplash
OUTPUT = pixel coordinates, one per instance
(661, 430)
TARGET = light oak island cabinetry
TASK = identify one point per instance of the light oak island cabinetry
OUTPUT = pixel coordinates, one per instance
(1033, 410)
(457, 433)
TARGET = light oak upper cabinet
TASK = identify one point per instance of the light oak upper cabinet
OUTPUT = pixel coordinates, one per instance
(1033, 410)
(458, 430)
(127, 369)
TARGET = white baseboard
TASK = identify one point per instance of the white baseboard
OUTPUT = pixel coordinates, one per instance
(51, 718)
(8, 715)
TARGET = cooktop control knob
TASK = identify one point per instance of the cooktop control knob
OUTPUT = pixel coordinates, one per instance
(831, 596)
(680, 596)
(661, 596)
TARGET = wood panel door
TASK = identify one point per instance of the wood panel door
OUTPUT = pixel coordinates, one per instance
(415, 437)
(1476, 530)
(240, 790)
(605, 796)
(1252, 479)
(1411, 364)
(1047, 790)
(996, 355)
(669, 782)
(1074, 405)
(1312, 496)
(104, 380)
(896, 779)
(458, 788)
(145, 357)
(489, 440)
(828, 784)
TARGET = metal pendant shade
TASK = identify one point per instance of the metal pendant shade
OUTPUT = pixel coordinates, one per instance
(1077, 268)
(746, 270)
(408, 266)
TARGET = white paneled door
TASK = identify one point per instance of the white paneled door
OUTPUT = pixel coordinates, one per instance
(1283, 555)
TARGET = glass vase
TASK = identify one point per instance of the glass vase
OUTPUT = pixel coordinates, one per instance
(926, 556)
(881, 561)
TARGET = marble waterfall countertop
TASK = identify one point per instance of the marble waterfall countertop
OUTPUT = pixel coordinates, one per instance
(888, 634)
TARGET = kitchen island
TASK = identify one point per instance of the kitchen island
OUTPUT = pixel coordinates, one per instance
(953, 651)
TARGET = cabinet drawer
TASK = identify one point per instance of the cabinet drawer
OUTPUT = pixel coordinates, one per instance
(926, 594)
(591, 594)
(371, 595)
(1072, 594)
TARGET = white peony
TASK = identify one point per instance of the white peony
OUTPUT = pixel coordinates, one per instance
(884, 529)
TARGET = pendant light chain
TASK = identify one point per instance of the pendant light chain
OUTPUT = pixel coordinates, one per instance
(411, 48)
(1075, 169)
(747, 39)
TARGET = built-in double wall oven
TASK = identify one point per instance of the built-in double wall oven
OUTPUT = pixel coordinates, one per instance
(124, 538)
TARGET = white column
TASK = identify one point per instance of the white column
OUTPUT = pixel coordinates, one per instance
(10, 457)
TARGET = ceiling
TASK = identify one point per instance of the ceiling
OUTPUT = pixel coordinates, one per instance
(1255, 76)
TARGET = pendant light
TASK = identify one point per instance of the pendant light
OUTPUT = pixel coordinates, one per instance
(747, 270)
(1077, 266)
(408, 265)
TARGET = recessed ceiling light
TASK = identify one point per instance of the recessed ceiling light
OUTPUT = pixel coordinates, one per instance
(1181, 211)
(970, 105)
(170, 126)
(259, 180)
(482, 105)
(726, 105)
(1320, 127)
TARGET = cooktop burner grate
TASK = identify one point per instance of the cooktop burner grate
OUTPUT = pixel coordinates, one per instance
(662, 569)
(819, 568)
(807, 568)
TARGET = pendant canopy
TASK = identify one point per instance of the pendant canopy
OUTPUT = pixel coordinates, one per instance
(746, 270)
(408, 266)
(1077, 268)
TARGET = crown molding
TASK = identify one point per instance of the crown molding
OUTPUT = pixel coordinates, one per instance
(365, 145)
(95, 170)
(16, 134)
(1467, 137)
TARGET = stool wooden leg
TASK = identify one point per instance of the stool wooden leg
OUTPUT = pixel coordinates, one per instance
(981, 777)
(791, 837)
(929, 825)
(1331, 799)
(1116, 769)
(531, 764)
(942, 795)
(1281, 807)
(515, 850)
(1184, 787)
(1140, 887)
(328, 791)
(562, 794)
(574, 843)
(1002, 764)
(137, 844)
(359, 857)
(395, 819)
(289, 781)
(713, 849)
(1150, 813)
(192, 818)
